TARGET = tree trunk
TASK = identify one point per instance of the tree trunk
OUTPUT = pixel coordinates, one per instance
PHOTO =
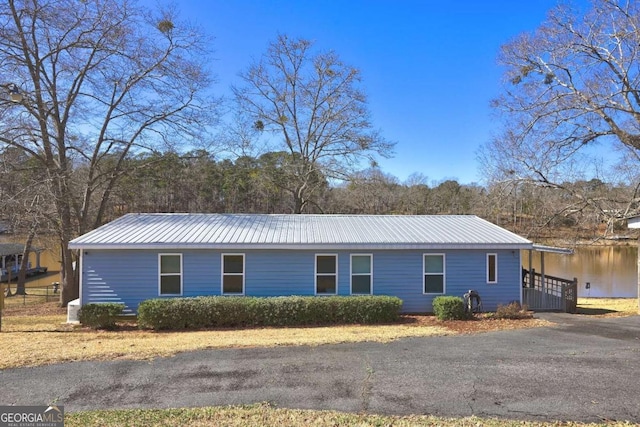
(299, 199)
(8, 292)
(69, 282)
(22, 273)
(69, 278)
(297, 205)
(9, 271)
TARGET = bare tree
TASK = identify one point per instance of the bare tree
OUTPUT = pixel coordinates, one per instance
(572, 83)
(24, 191)
(33, 211)
(311, 102)
(370, 191)
(90, 81)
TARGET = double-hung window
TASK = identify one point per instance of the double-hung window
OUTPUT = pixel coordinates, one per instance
(492, 268)
(434, 273)
(233, 274)
(326, 274)
(361, 274)
(170, 274)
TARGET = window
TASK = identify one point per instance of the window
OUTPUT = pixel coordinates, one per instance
(434, 274)
(492, 268)
(361, 267)
(170, 268)
(233, 274)
(326, 274)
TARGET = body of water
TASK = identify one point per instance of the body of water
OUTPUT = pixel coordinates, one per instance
(611, 271)
(49, 258)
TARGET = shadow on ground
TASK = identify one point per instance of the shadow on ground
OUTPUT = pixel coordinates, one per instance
(594, 311)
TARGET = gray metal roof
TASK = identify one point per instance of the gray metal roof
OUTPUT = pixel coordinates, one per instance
(553, 249)
(633, 222)
(262, 231)
(14, 249)
(11, 249)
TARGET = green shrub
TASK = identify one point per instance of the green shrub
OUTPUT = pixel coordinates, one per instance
(100, 316)
(449, 308)
(513, 311)
(221, 312)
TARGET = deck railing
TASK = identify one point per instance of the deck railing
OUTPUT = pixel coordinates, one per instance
(549, 292)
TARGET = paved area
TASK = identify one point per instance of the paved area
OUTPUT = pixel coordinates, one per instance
(584, 369)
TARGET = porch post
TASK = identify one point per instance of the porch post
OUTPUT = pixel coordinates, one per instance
(531, 279)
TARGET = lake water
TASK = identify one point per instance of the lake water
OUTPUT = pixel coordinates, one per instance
(49, 258)
(611, 270)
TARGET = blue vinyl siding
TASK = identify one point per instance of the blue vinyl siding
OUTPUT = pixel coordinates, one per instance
(131, 276)
(280, 273)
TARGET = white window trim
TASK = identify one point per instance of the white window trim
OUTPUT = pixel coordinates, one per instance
(315, 274)
(160, 274)
(222, 274)
(489, 255)
(370, 274)
(444, 273)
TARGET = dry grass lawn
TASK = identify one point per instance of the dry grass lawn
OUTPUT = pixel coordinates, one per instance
(22, 348)
(38, 335)
(34, 336)
(608, 307)
(263, 414)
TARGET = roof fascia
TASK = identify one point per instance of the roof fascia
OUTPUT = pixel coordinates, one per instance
(300, 246)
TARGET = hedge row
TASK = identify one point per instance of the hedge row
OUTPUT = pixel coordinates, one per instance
(100, 316)
(215, 311)
(449, 308)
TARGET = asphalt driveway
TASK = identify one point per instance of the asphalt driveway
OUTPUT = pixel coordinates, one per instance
(583, 370)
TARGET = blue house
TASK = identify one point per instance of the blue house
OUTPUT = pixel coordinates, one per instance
(416, 258)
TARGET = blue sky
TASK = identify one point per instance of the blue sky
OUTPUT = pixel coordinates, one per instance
(429, 67)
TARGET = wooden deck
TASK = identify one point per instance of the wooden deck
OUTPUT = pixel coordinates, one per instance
(6, 277)
(549, 293)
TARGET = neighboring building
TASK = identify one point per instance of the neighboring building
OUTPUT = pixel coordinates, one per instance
(4, 227)
(11, 258)
(413, 257)
(634, 223)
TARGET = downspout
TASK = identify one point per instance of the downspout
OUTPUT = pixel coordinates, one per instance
(542, 281)
(80, 275)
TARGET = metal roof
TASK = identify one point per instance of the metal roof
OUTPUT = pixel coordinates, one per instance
(633, 222)
(553, 249)
(14, 249)
(11, 249)
(262, 231)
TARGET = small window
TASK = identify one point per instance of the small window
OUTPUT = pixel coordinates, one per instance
(170, 269)
(326, 274)
(492, 268)
(361, 267)
(434, 274)
(232, 274)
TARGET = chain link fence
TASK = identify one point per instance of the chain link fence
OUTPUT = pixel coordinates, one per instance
(33, 294)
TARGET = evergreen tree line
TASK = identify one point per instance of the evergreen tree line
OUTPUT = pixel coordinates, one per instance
(199, 182)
